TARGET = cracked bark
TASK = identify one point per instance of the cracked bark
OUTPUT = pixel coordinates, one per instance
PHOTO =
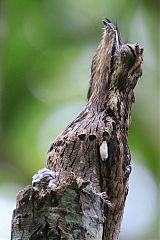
(82, 191)
(67, 213)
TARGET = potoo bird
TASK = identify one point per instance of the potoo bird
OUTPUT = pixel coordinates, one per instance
(95, 141)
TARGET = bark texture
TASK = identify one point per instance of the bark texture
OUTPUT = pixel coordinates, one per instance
(92, 151)
(69, 212)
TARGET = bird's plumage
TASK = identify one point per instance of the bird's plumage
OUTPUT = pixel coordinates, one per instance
(100, 131)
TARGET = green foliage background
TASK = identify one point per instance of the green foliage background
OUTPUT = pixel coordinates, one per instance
(46, 51)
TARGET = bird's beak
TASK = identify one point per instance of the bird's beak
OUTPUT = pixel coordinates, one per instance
(111, 28)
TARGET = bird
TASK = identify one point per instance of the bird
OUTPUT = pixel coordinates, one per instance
(91, 145)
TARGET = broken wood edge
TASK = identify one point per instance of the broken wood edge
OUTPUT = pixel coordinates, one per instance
(72, 211)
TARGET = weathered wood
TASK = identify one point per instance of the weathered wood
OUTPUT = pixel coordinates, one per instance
(93, 148)
(72, 211)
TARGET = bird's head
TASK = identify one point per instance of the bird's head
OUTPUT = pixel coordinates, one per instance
(115, 65)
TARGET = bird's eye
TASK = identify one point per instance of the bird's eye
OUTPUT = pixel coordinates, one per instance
(132, 50)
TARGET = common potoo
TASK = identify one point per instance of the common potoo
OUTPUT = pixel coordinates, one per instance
(93, 144)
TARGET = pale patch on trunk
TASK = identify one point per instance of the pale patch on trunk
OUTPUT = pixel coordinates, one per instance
(104, 151)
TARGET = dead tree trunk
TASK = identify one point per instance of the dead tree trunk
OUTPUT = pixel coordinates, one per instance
(69, 212)
(82, 191)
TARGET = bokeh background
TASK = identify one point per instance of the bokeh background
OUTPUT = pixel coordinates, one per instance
(46, 48)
